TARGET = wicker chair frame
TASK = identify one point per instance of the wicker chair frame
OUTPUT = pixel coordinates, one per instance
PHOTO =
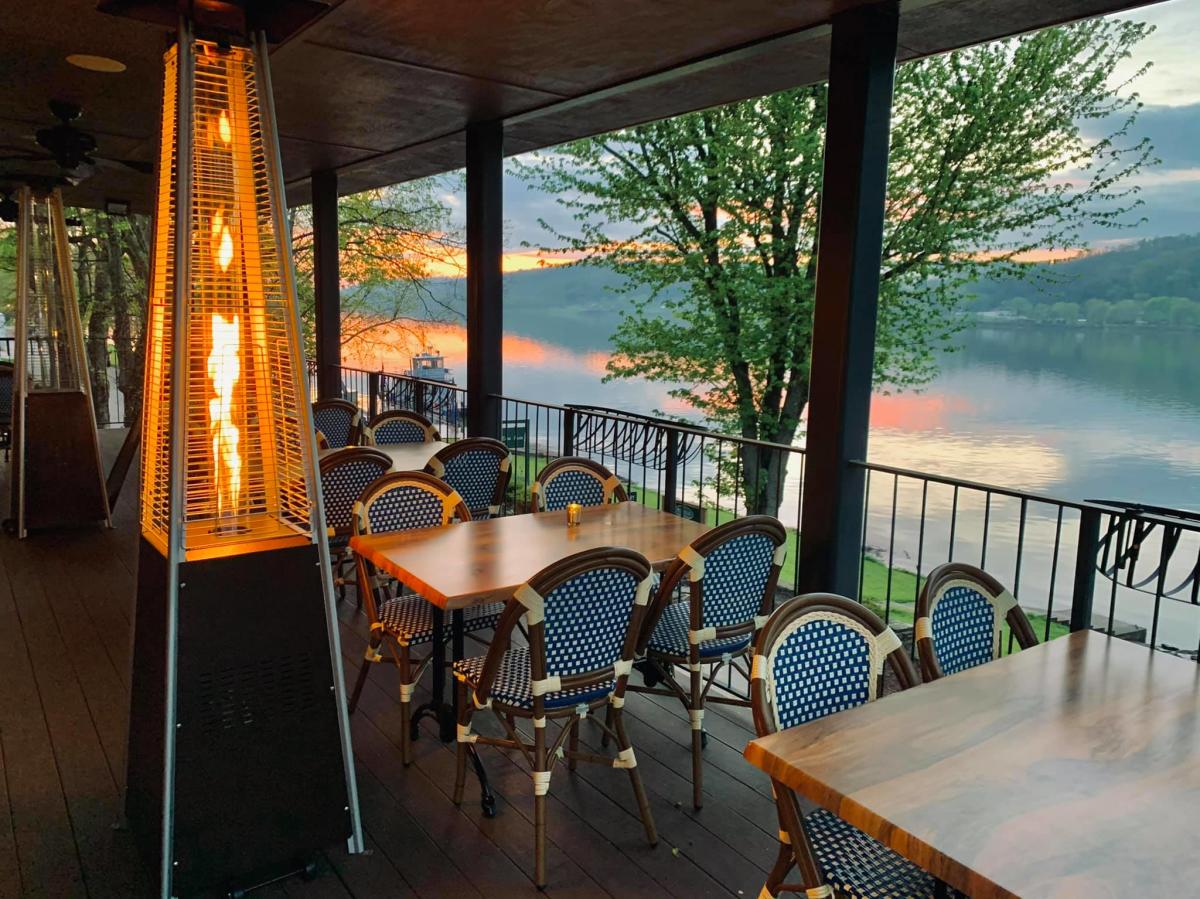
(614, 491)
(542, 752)
(690, 565)
(952, 574)
(339, 534)
(354, 432)
(377, 590)
(795, 847)
(437, 466)
(416, 418)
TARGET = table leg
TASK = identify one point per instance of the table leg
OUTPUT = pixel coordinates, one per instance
(437, 705)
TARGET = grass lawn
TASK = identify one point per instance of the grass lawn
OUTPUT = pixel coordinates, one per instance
(904, 584)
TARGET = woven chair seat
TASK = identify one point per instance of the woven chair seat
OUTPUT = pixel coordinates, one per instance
(670, 636)
(410, 618)
(860, 867)
(512, 682)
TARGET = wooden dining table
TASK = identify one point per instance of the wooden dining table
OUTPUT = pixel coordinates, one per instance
(1071, 769)
(480, 562)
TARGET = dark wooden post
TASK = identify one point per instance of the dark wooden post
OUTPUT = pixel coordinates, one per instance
(327, 285)
(485, 289)
(1084, 586)
(861, 69)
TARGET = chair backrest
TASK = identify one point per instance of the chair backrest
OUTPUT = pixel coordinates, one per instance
(816, 655)
(401, 501)
(819, 654)
(583, 615)
(338, 422)
(404, 501)
(732, 572)
(961, 614)
(479, 469)
(574, 479)
(345, 474)
(399, 426)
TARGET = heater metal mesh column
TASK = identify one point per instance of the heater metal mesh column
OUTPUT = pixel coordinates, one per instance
(240, 764)
(57, 477)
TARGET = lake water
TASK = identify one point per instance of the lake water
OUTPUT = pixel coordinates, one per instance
(1070, 413)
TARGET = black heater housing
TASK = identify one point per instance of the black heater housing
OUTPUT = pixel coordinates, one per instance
(258, 784)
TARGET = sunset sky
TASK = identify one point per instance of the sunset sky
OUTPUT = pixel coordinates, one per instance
(1171, 119)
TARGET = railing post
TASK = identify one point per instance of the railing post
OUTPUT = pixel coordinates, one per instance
(418, 396)
(671, 477)
(373, 394)
(1083, 592)
(568, 434)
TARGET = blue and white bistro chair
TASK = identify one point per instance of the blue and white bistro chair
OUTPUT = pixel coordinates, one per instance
(817, 655)
(345, 473)
(403, 501)
(479, 469)
(575, 479)
(338, 423)
(961, 614)
(399, 426)
(731, 573)
(582, 614)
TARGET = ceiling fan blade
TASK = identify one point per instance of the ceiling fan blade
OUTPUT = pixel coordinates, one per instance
(137, 165)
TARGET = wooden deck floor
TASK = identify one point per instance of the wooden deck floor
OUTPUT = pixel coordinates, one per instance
(66, 602)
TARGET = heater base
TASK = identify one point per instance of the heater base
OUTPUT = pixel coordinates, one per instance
(57, 459)
(259, 782)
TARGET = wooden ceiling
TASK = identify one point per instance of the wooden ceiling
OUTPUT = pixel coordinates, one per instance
(381, 90)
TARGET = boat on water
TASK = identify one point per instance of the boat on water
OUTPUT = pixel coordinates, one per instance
(430, 366)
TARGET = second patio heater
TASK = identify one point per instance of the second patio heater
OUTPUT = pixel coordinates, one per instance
(57, 477)
(240, 764)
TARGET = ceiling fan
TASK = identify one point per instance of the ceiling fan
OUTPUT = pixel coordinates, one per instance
(67, 156)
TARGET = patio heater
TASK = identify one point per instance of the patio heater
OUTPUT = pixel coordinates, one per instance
(240, 764)
(57, 477)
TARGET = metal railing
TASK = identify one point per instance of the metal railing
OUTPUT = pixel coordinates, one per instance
(1131, 571)
(116, 397)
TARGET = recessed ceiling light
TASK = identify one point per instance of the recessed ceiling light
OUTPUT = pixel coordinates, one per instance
(96, 63)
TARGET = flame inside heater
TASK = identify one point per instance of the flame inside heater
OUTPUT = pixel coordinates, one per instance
(224, 370)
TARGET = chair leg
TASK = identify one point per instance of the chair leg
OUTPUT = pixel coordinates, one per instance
(465, 709)
(573, 745)
(361, 681)
(540, 787)
(783, 864)
(635, 778)
(608, 723)
(696, 714)
(407, 687)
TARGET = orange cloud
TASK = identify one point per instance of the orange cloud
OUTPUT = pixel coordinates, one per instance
(916, 411)
(455, 264)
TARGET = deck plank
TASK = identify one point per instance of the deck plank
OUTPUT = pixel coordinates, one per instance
(66, 606)
(42, 834)
(109, 862)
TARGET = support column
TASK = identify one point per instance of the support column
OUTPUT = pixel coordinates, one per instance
(327, 285)
(485, 289)
(861, 69)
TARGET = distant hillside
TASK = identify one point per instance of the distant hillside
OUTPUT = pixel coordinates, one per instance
(574, 307)
(1163, 267)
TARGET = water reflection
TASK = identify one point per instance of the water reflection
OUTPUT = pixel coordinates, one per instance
(1066, 413)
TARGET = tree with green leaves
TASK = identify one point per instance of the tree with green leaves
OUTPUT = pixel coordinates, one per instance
(994, 154)
(390, 242)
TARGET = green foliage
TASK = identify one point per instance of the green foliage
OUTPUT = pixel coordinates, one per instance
(725, 203)
(1096, 311)
(1126, 312)
(1064, 312)
(390, 241)
(1164, 266)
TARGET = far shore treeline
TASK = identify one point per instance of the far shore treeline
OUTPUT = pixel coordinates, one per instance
(1153, 283)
